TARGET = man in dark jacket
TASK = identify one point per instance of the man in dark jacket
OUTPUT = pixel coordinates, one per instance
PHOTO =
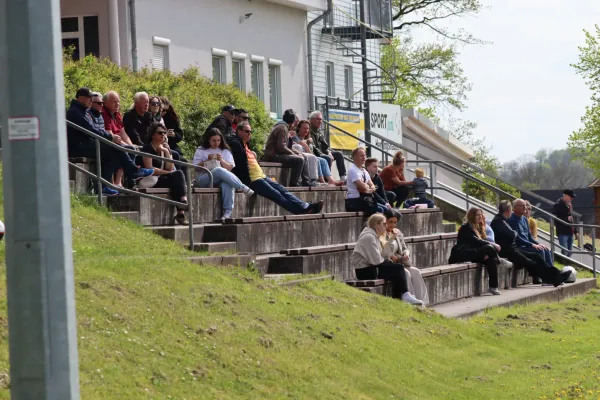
(137, 120)
(82, 145)
(321, 147)
(223, 121)
(506, 237)
(562, 209)
(277, 150)
(251, 174)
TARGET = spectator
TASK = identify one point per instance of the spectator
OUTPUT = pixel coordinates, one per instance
(113, 121)
(321, 147)
(137, 120)
(324, 171)
(533, 228)
(380, 194)
(399, 253)
(215, 148)
(223, 121)
(360, 196)
(240, 115)
(276, 149)
(420, 188)
(155, 108)
(472, 246)
(506, 238)
(393, 179)
(562, 209)
(489, 232)
(311, 163)
(82, 145)
(173, 124)
(168, 176)
(95, 111)
(251, 174)
(368, 262)
(525, 241)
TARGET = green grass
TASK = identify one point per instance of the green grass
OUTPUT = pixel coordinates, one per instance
(153, 325)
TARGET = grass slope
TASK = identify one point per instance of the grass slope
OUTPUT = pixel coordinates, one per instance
(151, 325)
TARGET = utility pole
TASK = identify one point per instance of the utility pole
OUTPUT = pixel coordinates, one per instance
(39, 259)
(365, 74)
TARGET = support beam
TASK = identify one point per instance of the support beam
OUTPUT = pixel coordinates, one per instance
(113, 31)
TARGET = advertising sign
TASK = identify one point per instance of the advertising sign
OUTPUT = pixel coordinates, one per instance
(352, 122)
(386, 120)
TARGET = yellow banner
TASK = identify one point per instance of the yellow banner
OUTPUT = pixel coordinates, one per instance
(352, 122)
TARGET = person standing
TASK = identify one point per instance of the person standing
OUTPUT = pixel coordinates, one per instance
(562, 209)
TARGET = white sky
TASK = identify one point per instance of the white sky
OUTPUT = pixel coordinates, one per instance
(525, 95)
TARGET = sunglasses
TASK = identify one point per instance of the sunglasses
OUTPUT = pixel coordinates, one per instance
(155, 103)
(161, 132)
(247, 131)
(98, 102)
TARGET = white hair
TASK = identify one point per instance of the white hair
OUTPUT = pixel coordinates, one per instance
(315, 114)
(96, 94)
(139, 95)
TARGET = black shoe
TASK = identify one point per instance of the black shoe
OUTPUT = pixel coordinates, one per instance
(537, 281)
(562, 278)
(315, 208)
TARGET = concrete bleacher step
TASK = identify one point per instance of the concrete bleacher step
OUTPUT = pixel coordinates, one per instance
(281, 277)
(237, 260)
(216, 247)
(524, 294)
(449, 227)
(131, 215)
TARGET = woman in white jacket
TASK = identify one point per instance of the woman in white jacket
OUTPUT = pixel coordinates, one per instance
(368, 262)
(399, 253)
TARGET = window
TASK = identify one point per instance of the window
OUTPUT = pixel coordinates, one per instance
(329, 79)
(160, 53)
(82, 35)
(348, 82)
(218, 66)
(256, 73)
(275, 89)
(237, 68)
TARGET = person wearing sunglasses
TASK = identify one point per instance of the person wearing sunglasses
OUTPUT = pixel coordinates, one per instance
(240, 115)
(248, 170)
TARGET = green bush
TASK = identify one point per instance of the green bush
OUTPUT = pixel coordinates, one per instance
(196, 98)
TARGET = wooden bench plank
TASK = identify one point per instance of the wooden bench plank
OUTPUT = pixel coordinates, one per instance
(322, 249)
(432, 271)
(302, 217)
(427, 210)
(271, 164)
(155, 190)
(450, 235)
(425, 238)
(365, 283)
(342, 215)
(252, 220)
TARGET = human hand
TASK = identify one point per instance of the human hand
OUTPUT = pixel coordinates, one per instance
(538, 247)
(116, 139)
(170, 133)
(211, 156)
(219, 157)
(497, 246)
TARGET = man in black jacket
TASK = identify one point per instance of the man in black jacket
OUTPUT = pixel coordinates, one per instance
(224, 120)
(381, 196)
(137, 120)
(505, 237)
(562, 209)
(251, 174)
(82, 145)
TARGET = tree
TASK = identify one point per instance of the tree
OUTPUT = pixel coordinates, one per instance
(585, 142)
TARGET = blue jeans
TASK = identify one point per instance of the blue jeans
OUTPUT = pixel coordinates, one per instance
(227, 181)
(416, 200)
(566, 241)
(279, 195)
(545, 253)
(324, 167)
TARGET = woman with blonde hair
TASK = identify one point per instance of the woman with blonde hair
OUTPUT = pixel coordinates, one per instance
(472, 246)
(369, 263)
(533, 228)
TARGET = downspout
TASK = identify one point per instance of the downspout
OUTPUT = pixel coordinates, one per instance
(133, 34)
(311, 91)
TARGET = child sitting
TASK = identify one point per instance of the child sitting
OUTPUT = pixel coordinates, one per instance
(420, 188)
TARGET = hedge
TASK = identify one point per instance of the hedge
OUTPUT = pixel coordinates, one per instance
(196, 99)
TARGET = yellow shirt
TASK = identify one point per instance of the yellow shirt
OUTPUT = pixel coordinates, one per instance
(254, 168)
(533, 227)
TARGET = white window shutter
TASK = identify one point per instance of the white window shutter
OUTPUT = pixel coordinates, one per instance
(159, 57)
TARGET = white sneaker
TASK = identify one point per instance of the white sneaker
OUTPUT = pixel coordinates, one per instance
(494, 291)
(410, 299)
(249, 192)
(226, 214)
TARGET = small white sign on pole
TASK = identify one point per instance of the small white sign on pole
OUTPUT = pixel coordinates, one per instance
(23, 128)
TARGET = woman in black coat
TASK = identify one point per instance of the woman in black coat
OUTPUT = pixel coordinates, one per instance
(174, 131)
(472, 246)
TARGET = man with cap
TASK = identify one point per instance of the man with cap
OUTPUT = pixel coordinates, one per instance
(224, 120)
(562, 209)
(277, 150)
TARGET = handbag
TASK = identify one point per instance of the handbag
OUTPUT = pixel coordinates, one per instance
(150, 181)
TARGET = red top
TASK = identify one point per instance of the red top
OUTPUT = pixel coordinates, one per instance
(389, 173)
(112, 124)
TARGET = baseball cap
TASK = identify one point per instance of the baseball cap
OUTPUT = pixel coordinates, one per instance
(228, 108)
(570, 193)
(83, 92)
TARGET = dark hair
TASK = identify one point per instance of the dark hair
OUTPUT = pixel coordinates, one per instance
(504, 206)
(240, 111)
(391, 213)
(371, 160)
(289, 116)
(300, 125)
(152, 129)
(154, 97)
(171, 111)
(211, 133)
(398, 158)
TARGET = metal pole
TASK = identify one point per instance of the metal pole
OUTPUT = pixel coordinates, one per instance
(467, 192)
(552, 235)
(433, 178)
(39, 255)
(580, 237)
(98, 171)
(365, 74)
(594, 249)
(190, 207)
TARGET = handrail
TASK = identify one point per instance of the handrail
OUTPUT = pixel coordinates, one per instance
(99, 180)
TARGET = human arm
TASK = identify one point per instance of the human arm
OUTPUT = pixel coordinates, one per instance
(176, 134)
(129, 124)
(281, 142)
(226, 160)
(369, 247)
(167, 166)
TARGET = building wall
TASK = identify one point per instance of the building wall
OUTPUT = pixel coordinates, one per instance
(77, 8)
(195, 27)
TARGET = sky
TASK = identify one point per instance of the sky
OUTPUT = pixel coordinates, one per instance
(525, 94)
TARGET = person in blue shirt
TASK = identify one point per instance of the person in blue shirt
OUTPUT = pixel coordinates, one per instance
(525, 240)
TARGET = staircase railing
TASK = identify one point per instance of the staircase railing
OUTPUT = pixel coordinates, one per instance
(434, 164)
(100, 181)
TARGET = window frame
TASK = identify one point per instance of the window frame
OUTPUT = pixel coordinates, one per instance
(80, 33)
(259, 79)
(329, 79)
(165, 45)
(221, 69)
(242, 73)
(275, 102)
(348, 81)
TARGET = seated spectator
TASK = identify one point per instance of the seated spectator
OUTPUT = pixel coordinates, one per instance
(489, 232)
(215, 148)
(223, 121)
(82, 145)
(168, 176)
(506, 238)
(251, 174)
(311, 162)
(420, 186)
(155, 109)
(394, 181)
(371, 165)
(369, 263)
(399, 253)
(137, 120)
(324, 172)
(361, 190)
(240, 115)
(527, 244)
(95, 112)
(113, 121)
(533, 228)
(472, 246)
(321, 147)
(173, 124)
(276, 149)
